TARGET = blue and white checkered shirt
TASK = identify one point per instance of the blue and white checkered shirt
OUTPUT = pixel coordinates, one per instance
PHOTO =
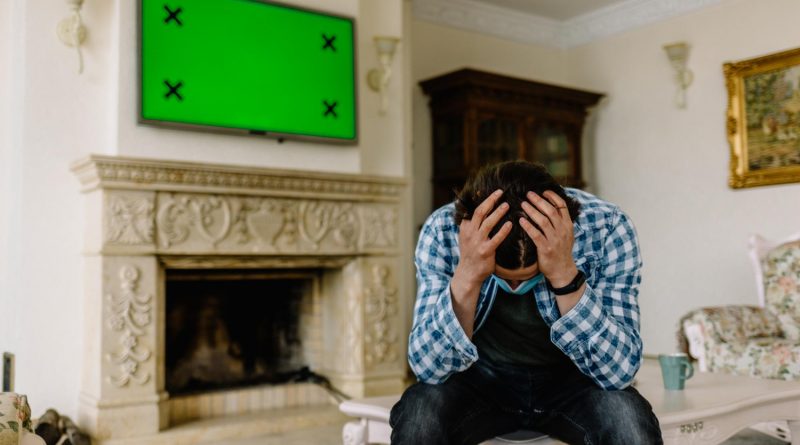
(600, 334)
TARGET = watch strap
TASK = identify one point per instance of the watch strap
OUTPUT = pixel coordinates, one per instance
(573, 285)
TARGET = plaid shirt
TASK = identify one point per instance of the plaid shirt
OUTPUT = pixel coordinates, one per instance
(600, 334)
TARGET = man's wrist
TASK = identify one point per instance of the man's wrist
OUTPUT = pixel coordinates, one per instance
(462, 285)
(563, 277)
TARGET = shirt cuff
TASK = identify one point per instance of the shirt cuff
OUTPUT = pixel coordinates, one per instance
(584, 320)
(451, 328)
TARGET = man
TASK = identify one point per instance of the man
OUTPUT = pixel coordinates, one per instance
(524, 319)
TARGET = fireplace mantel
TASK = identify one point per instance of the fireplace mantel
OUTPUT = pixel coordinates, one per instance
(98, 171)
(144, 216)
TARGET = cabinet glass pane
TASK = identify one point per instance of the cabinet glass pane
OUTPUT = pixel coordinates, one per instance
(448, 138)
(498, 140)
(552, 150)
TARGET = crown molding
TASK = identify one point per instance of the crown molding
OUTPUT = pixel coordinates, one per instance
(509, 24)
(624, 16)
(488, 19)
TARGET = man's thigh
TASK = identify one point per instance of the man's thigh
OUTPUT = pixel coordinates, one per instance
(453, 412)
(594, 416)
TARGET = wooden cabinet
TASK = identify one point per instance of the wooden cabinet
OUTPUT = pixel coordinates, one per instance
(480, 118)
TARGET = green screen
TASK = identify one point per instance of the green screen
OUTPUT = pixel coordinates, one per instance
(248, 65)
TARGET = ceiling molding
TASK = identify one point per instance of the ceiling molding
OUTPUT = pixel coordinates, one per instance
(624, 16)
(489, 19)
(510, 24)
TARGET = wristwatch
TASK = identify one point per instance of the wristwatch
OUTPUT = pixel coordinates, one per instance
(573, 285)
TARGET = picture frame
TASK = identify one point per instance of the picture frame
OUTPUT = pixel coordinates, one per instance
(763, 119)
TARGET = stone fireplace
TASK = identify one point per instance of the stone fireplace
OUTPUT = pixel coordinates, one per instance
(147, 221)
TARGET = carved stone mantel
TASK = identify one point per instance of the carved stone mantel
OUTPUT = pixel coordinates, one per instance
(97, 171)
(144, 216)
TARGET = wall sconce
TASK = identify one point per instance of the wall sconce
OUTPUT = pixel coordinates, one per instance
(678, 54)
(71, 30)
(378, 78)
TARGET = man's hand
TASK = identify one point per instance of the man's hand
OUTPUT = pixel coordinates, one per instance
(554, 239)
(477, 257)
(477, 249)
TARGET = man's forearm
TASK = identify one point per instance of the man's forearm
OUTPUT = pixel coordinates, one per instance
(465, 293)
(568, 301)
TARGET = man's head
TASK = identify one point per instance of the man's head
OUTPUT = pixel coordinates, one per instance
(516, 179)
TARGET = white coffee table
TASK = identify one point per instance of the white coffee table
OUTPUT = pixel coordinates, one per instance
(712, 408)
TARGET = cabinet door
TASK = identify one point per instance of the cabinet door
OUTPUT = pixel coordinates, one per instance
(448, 145)
(555, 146)
(500, 138)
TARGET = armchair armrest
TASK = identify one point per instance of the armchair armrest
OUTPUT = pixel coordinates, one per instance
(701, 330)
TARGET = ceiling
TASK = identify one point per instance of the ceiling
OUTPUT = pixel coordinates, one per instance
(554, 9)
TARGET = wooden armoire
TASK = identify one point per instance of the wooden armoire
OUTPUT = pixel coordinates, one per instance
(480, 118)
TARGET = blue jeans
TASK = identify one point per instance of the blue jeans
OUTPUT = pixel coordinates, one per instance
(488, 400)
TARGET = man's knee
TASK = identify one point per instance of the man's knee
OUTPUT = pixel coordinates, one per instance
(417, 418)
(625, 417)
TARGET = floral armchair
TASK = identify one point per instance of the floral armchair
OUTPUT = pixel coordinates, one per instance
(749, 340)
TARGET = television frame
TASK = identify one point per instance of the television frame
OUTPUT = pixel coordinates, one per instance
(279, 136)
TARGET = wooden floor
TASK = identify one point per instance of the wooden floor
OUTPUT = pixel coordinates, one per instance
(326, 435)
(312, 425)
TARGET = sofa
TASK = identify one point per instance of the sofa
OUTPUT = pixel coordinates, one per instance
(755, 341)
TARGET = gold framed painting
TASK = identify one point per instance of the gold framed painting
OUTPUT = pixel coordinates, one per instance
(764, 119)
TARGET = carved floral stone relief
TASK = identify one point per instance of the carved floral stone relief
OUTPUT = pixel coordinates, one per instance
(350, 344)
(129, 219)
(380, 226)
(130, 314)
(273, 224)
(210, 216)
(380, 308)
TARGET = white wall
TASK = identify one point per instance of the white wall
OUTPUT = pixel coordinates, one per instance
(57, 117)
(668, 168)
(384, 142)
(5, 141)
(439, 50)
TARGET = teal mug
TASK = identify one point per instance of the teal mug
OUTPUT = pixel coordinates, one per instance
(675, 369)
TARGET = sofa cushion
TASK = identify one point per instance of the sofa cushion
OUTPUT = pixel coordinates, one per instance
(771, 358)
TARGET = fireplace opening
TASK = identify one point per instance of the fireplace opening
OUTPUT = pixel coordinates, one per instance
(227, 329)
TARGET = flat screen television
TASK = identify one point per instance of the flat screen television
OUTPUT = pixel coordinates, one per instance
(248, 66)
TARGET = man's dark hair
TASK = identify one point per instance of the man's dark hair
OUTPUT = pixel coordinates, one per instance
(516, 179)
